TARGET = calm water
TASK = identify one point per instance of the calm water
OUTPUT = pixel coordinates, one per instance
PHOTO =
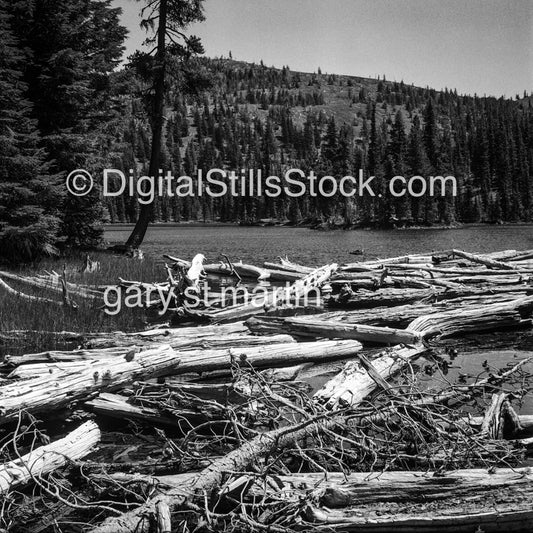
(256, 244)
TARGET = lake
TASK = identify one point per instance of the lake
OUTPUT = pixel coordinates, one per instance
(310, 247)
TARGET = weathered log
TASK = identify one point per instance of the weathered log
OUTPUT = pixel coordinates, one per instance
(500, 420)
(162, 335)
(163, 518)
(515, 313)
(354, 382)
(58, 384)
(50, 457)
(27, 297)
(484, 260)
(177, 343)
(117, 406)
(524, 421)
(392, 297)
(336, 489)
(510, 518)
(339, 330)
(299, 290)
(52, 391)
(261, 356)
(52, 282)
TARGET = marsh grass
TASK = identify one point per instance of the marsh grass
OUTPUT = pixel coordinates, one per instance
(44, 318)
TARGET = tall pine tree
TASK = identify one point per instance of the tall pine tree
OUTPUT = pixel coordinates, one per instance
(28, 192)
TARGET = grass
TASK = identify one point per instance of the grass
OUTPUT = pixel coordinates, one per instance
(45, 318)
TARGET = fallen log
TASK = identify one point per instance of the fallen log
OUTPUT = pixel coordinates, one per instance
(237, 460)
(338, 489)
(516, 313)
(177, 343)
(50, 457)
(58, 384)
(492, 521)
(47, 392)
(354, 382)
(484, 260)
(117, 406)
(299, 290)
(28, 297)
(53, 283)
(330, 329)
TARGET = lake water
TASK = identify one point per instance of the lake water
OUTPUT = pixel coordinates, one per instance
(310, 247)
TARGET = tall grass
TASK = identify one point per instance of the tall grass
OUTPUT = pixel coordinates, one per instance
(41, 318)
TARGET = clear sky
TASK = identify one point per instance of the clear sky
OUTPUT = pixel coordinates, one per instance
(475, 46)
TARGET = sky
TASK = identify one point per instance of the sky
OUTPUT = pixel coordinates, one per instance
(474, 46)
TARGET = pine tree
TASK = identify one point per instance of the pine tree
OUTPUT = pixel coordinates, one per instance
(75, 45)
(28, 192)
(171, 17)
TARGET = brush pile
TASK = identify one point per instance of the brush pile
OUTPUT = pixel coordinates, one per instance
(335, 404)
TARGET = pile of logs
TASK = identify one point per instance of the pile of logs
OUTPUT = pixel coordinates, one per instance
(235, 423)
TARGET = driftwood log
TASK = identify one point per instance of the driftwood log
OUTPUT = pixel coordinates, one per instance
(50, 457)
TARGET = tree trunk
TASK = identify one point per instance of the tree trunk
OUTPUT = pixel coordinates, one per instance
(158, 119)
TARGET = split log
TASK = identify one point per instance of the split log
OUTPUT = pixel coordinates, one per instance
(354, 382)
(50, 457)
(491, 427)
(500, 420)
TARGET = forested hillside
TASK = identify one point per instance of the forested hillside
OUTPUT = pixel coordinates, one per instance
(256, 117)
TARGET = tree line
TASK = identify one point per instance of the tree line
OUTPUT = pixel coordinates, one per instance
(257, 117)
